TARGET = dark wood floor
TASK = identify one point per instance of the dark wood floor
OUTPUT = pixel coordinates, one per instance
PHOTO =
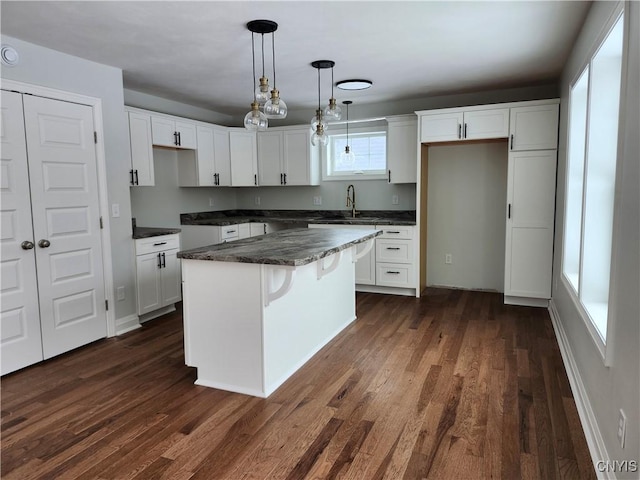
(453, 385)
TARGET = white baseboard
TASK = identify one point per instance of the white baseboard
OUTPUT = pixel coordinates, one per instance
(127, 324)
(595, 442)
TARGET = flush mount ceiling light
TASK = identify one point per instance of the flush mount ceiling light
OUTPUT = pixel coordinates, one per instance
(318, 123)
(354, 84)
(9, 56)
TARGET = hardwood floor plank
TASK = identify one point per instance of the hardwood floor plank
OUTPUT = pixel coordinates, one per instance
(452, 385)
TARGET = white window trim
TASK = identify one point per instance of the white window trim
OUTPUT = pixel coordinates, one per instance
(341, 130)
(606, 349)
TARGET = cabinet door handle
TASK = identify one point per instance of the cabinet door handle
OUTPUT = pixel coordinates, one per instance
(393, 273)
(509, 211)
(136, 172)
(159, 243)
(175, 138)
(511, 144)
(285, 178)
(164, 263)
(393, 231)
(231, 231)
(389, 176)
(281, 179)
(465, 130)
(255, 179)
(179, 140)
(459, 130)
(265, 228)
(393, 248)
(159, 261)
(131, 173)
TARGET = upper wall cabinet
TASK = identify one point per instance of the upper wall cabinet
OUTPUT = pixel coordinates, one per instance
(534, 128)
(173, 132)
(457, 124)
(244, 157)
(141, 172)
(211, 164)
(402, 148)
(286, 157)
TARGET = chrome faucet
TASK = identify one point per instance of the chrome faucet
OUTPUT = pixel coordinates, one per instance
(351, 200)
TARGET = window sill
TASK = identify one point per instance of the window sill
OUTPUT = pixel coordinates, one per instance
(364, 176)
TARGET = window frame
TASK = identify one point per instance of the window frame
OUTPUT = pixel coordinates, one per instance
(328, 176)
(603, 345)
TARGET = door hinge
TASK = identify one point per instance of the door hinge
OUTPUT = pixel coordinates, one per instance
(106, 304)
(101, 224)
(95, 137)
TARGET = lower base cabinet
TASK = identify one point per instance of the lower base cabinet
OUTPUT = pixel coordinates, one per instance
(158, 278)
(196, 236)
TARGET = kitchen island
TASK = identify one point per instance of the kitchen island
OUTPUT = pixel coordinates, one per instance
(255, 310)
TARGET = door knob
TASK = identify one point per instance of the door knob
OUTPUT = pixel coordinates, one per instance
(44, 243)
(27, 245)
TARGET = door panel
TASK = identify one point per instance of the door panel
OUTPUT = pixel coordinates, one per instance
(20, 342)
(171, 278)
(64, 198)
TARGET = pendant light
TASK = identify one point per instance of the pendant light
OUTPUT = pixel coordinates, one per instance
(318, 123)
(347, 157)
(275, 106)
(255, 120)
(332, 112)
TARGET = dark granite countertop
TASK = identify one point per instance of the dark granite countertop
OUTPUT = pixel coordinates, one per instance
(293, 247)
(146, 232)
(367, 217)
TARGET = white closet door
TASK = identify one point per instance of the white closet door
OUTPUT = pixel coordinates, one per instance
(21, 343)
(66, 219)
(531, 209)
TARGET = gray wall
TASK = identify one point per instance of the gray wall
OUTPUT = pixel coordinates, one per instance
(49, 68)
(609, 389)
(466, 202)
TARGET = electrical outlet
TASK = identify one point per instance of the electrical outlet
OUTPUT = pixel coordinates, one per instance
(394, 200)
(115, 210)
(317, 200)
(448, 259)
(120, 293)
(211, 201)
(257, 200)
(622, 427)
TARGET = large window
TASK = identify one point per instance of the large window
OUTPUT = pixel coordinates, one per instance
(594, 107)
(369, 152)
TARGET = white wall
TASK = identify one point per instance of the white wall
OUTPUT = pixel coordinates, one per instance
(49, 68)
(466, 202)
(608, 389)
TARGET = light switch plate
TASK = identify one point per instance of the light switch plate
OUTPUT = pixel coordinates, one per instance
(115, 210)
(317, 200)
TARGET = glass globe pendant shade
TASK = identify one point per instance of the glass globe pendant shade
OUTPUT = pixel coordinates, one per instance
(262, 91)
(255, 120)
(318, 119)
(319, 137)
(275, 106)
(347, 158)
(332, 112)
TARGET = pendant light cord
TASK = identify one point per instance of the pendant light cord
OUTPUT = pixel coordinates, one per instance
(273, 56)
(331, 82)
(318, 90)
(262, 55)
(347, 126)
(253, 57)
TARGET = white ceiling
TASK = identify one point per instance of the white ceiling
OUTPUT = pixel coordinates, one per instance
(200, 52)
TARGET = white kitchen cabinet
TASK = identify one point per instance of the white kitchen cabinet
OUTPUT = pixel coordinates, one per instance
(286, 157)
(256, 229)
(244, 157)
(173, 132)
(458, 124)
(530, 217)
(158, 279)
(395, 257)
(534, 128)
(211, 164)
(195, 236)
(141, 144)
(402, 148)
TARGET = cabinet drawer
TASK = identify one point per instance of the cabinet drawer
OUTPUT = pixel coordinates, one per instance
(393, 231)
(394, 275)
(157, 244)
(229, 232)
(395, 251)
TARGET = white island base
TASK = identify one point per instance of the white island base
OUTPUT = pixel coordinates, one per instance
(248, 327)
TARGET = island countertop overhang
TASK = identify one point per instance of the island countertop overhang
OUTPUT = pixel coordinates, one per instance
(291, 247)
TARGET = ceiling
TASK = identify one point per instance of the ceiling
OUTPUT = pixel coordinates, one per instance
(199, 53)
